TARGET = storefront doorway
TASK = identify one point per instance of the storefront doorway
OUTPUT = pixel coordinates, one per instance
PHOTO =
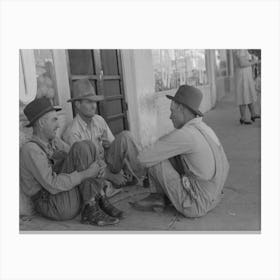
(103, 69)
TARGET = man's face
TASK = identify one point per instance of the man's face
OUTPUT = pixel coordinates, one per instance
(176, 115)
(50, 124)
(87, 108)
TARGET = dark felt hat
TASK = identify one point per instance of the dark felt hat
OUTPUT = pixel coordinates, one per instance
(189, 97)
(37, 108)
(83, 90)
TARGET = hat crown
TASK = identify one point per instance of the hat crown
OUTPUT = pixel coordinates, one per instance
(82, 88)
(188, 96)
(37, 108)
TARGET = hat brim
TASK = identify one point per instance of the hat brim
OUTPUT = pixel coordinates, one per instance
(95, 98)
(195, 111)
(47, 110)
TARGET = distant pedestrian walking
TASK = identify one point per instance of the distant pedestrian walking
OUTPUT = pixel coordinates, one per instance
(245, 85)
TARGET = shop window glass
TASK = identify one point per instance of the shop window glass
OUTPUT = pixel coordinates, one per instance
(222, 63)
(45, 74)
(173, 68)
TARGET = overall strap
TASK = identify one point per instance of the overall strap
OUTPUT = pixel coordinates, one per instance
(180, 165)
(177, 164)
(43, 148)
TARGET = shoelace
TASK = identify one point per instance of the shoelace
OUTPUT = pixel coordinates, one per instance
(95, 213)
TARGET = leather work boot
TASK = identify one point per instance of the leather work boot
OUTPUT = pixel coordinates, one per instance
(107, 207)
(153, 202)
(92, 214)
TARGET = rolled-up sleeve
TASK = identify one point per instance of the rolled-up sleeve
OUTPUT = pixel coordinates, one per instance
(37, 164)
(70, 137)
(172, 144)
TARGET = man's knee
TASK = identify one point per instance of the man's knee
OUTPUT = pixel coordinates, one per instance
(83, 147)
(156, 170)
(124, 135)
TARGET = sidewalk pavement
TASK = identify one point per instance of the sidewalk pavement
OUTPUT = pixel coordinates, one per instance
(239, 210)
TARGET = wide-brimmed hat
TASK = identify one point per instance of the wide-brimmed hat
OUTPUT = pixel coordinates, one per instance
(189, 97)
(83, 90)
(37, 108)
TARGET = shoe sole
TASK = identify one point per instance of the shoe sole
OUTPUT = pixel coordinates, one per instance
(102, 224)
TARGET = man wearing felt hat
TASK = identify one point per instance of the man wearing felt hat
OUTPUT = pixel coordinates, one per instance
(188, 166)
(118, 154)
(62, 183)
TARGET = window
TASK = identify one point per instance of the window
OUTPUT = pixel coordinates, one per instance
(222, 63)
(45, 75)
(173, 68)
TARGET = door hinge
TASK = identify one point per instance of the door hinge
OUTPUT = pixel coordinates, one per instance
(125, 106)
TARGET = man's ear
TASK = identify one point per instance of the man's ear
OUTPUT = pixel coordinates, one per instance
(41, 122)
(181, 107)
(77, 105)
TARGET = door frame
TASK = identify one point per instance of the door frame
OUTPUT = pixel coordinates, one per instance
(99, 77)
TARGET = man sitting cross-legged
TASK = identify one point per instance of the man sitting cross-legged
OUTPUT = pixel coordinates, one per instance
(62, 183)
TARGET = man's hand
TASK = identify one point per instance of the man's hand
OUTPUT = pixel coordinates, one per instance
(93, 170)
(118, 179)
(60, 144)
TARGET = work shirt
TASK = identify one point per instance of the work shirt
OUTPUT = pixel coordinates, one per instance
(36, 170)
(188, 142)
(96, 131)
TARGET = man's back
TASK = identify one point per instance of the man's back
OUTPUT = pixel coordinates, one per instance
(189, 142)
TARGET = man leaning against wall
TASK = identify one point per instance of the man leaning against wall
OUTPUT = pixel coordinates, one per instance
(117, 153)
(62, 182)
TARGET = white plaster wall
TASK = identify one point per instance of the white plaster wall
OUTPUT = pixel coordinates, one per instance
(130, 91)
(139, 89)
(210, 68)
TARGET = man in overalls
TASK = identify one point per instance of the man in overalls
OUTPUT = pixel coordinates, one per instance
(188, 166)
(62, 183)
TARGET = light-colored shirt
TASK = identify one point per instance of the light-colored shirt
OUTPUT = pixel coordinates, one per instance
(188, 142)
(36, 170)
(96, 131)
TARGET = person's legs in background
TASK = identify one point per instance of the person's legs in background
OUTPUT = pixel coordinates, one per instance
(242, 109)
(252, 111)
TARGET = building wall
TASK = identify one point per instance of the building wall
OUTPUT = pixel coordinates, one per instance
(225, 85)
(148, 111)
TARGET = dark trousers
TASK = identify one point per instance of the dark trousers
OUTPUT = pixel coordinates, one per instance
(66, 205)
(124, 148)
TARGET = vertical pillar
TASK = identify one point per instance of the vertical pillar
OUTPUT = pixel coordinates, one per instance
(63, 89)
(210, 68)
(140, 94)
